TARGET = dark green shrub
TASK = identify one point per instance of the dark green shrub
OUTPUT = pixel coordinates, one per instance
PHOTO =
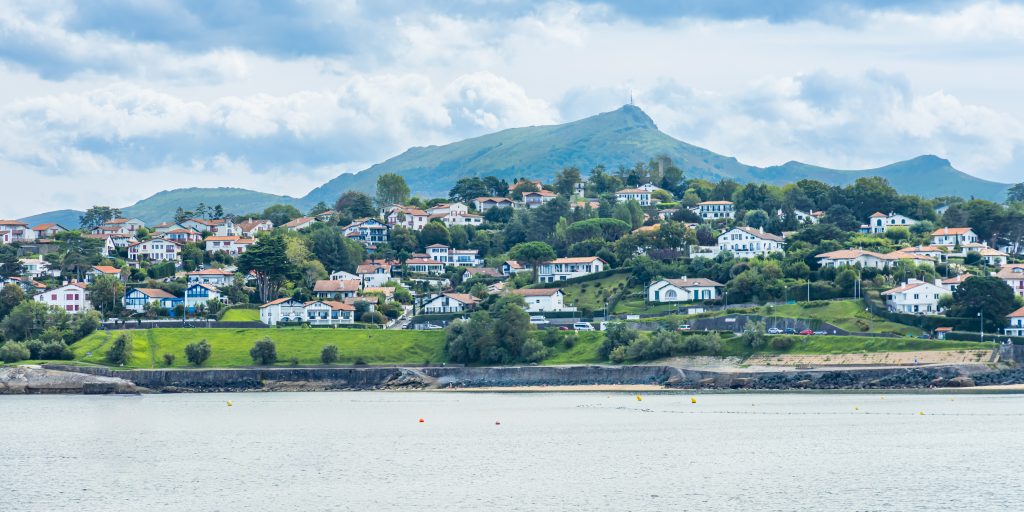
(120, 352)
(197, 353)
(264, 352)
(329, 354)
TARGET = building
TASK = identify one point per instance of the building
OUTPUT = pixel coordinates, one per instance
(285, 310)
(710, 210)
(325, 216)
(215, 277)
(102, 270)
(373, 273)
(683, 290)
(514, 267)
(341, 275)
(251, 227)
(879, 222)
(993, 257)
(460, 219)
(1016, 327)
(406, 216)
(639, 195)
(952, 283)
(15, 231)
(366, 231)
(455, 257)
(1013, 275)
(472, 272)
(442, 209)
(335, 290)
(543, 300)
(200, 293)
(232, 245)
(182, 236)
(482, 204)
(36, 267)
(299, 223)
(157, 249)
(129, 226)
(424, 266)
(746, 242)
(72, 298)
(135, 299)
(164, 227)
(106, 244)
(949, 237)
(934, 252)
(852, 258)
(29, 286)
(212, 226)
(48, 230)
(567, 268)
(328, 312)
(535, 199)
(515, 184)
(449, 303)
(809, 217)
(915, 297)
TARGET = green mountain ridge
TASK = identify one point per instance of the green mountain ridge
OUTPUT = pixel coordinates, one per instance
(620, 137)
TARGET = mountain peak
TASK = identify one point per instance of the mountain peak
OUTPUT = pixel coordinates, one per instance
(629, 116)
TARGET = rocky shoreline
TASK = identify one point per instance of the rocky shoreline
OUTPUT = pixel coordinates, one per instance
(67, 379)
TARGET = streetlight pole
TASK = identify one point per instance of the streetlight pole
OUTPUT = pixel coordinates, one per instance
(981, 325)
(808, 289)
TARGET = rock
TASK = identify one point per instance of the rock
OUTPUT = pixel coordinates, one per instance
(706, 383)
(962, 381)
(741, 382)
(937, 382)
(34, 380)
(806, 383)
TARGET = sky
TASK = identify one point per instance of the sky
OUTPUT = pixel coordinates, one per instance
(110, 101)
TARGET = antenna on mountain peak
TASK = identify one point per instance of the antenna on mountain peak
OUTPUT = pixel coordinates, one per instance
(631, 98)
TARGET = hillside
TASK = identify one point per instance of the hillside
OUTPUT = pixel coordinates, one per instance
(621, 137)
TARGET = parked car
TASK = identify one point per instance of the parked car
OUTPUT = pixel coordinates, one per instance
(774, 330)
(434, 327)
(538, 320)
(806, 332)
(789, 330)
(684, 327)
(562, 328)
(582, 326)
(821, 333)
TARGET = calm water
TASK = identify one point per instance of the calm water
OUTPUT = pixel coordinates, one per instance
(571, 451)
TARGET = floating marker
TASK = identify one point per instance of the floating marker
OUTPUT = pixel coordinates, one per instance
(497, 423)
(921, 413)
(421, 420)
(693, 399)
(639, 399)
(856, 408)
(229, 403)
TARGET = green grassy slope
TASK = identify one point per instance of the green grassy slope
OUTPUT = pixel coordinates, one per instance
(845, 314)
(241, 315)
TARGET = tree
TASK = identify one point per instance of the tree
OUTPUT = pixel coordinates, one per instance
(532, 254)
(106, 292)
(198, 353)
(264, 352)
(169, 359)
(467, 189)
(566, 180)
(10, 265)
(523, 186)
(354, 205)
(317, 209)
(77, 253)
(391, 189)
(329, 247)
(403, 239)
(329, 354)
(756, 218)
(466, 339)
(12, 352)
(25, 321)
(269, 263)
(511, 328)
(1015, 193)
(618, 334)
(191, 256)
(97, 216)
(435, 232)
(10, 296)
(990, 296)
(120, 352)
(281, 214)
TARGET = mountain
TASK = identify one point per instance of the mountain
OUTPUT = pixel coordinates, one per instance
(66, 218)
(621, 137)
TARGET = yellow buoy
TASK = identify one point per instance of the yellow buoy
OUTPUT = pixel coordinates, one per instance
(693, 399)
(921, 413)
(856, 408)
(229, 403)
(639, 399)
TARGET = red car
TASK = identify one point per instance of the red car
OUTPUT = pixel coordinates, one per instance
(806, 332)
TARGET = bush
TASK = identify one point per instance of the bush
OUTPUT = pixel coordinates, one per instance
(35, 347)
(783, 342)
(753, 334)
(120, 352)
(168, 359)
(56, 350)
(264, 352)
(13, 351)
(551, 337)
(534, 351)
(198, 353)
(569, 341)
(618, 354)
(373, 317)
(329, 354)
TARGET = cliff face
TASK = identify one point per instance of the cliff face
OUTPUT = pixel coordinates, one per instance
(20, 380)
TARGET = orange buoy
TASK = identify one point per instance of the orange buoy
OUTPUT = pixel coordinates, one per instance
(421, 420)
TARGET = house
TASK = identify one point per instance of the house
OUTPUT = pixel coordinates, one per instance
(341, 275)
(949, 237)
(952, 283)
(709, 210)
(639, 195)
(366, 231)
(370, 292)
(482, 204)
(325, 216)
(802, 217)
(583, 205)
(879, 222)
(746, 242)
(102, 270)
(200, 293)
(72, 298)
(117, 240)
(164, 227)
(135, 299)
(215, 277)
(543, 300)
(579, 188)
(1016, 327)
(406, 216)
(461, 219)
(36, 268)
(285, 310)
(915, 297)
(649, 187)
(232, 245)
(183, 236)
(446, 208)
(129, 226)
(667, 213)
(934, 252)
(29, 286)
(514, 267)
(16, 231)
(251, 227)
(449, 303)
(299, 223)
(216, 227)
(567, 268)
(683, 290)
(424, 266)
(336, 290)
(1013, 275)
(328, 312)
(373, 273)
(491, 273)
(993, 257)
(48, 230)
(535, 199)
(537, 183)
(455, 257)
(852, 258)
(157, 249)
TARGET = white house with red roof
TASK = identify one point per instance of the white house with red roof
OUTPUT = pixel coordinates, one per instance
(328, 312)
(373, 273)
(285, 310)
(423, 265)
(299, 223)
(949, 237)
(543, 300)
(337, 290)
(216, 277)
(48, 230)
(711, 210)
(915, 297)
(639, 195)
(880, 222)
(567, 268)
(233, 245)
(482, 204)
(102, 270)
(367, 231)
(536, 199)
(950, 284)
(157, 249)
(249, 228)
(405, 216)
(683, 290)
(447, 208)
(15, 231)
(183, 235)
(71, 297)
(1016, 327)
(747, 242)
(449, 303)
(455, 257)
(1013, 275)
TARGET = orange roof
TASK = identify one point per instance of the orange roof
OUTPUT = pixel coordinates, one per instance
(106, 269)
(299, 221)
(329, 286)
(222, 238)
(715, 202)
(464, 298)
(277, 301)
(156, 293)
(956, 280)
(334, 305)
(41, 227)
(950, 231)
(1018, 313)
(1013, 271)
(12, 223)
(760, 234)
(211, 272)
(878, 214)
(543, 193)
(903, 288)
(848, 254)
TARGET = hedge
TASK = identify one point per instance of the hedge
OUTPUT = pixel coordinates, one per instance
(989, 337)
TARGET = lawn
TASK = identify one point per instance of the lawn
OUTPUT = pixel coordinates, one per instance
(634, 305)
(231, 346)
(845, 314)
(592, 294)
(241, 315)
(584, 351)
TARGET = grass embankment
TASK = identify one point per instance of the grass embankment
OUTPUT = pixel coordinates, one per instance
(231, 346)
(592, 294)
(635, 305)
(241, 315)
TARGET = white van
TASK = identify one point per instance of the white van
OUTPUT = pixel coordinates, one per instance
(582, 326)
(538, 320)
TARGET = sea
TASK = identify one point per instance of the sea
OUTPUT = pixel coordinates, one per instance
(482, 451)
